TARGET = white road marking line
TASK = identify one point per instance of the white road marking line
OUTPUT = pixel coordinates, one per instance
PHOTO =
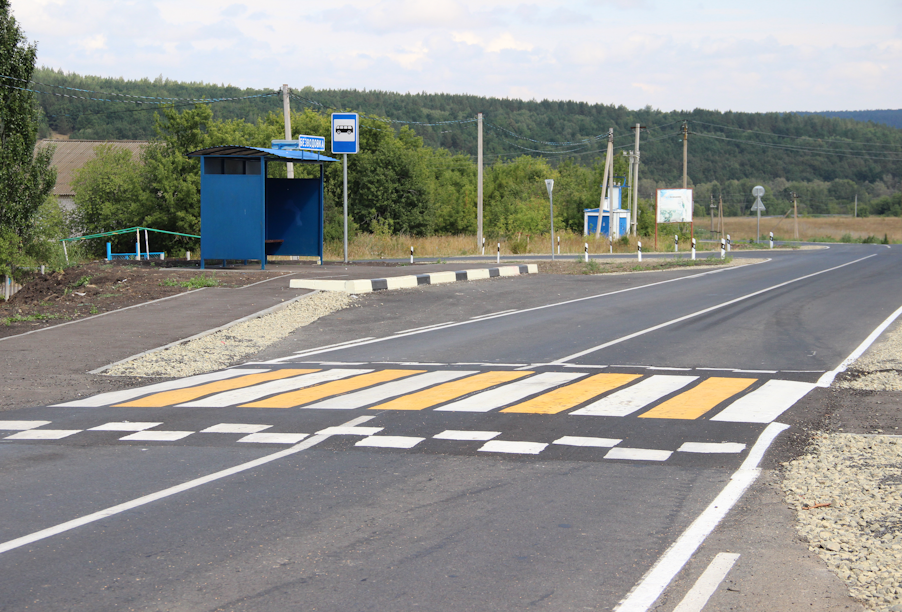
(698, 596)
(516, 448)
(358, 421)
(827, 379)
(698, 313)
(339, 363)
(117, 397)
(638, 454)
(146, 499)
(467, 436)
(711, 447)
(390, 441)
(157, 436)
(235, 428)
(273, 387)
(124, 426)
(765, 403)
(380, 393)
(756, 371)
(668, 368)
(329, 346)
(580, 365)
(274, 438)
(42, 434)
(22, 425)
(627, 401)
(405, 331)
(365, 341)
(590, 442)
(349, 431)
(492, 314)
(511, 392)
(646, 592)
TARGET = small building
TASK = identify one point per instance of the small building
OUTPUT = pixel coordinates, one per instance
(246, 215)
(621, 216)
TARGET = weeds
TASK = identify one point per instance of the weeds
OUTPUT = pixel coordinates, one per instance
(26, 318)
(195, 282)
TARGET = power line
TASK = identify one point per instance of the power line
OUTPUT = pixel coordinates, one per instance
(727, 127)
(804, 149)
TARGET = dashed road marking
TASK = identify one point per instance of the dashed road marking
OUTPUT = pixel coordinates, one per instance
(390, 441)
(711, 447)
(43, 434)
(513, 447)
(124, 426)
(587, 441)
(467, 436)
(638, 454)
(235, 428)
(21, 425)
(157, 436)
(274, 438)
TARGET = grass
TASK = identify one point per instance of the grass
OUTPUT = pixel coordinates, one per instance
(812, 229)
(195, 282)
(612, 266)
(27, 318)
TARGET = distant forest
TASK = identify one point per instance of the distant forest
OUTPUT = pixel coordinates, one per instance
(838, 157)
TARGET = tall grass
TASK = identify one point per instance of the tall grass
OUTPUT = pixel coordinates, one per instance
(813, 228)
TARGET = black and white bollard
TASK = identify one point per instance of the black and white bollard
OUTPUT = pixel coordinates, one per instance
(723, 248)
(498, 258)
(640, 250)
(586, 256)
(483, 245)
(411, 254)
(729, 242)
(771, 240)
(676, 243)
(558, 245)
(693, 249)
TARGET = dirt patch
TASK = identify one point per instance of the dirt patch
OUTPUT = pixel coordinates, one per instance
(97, 287)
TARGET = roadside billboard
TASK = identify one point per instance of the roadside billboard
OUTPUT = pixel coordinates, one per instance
(674, 206)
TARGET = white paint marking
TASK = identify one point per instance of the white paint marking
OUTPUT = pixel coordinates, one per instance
(385, 391)
(42, 434)
(492, 314)
(765, 403)
(467, 436)
(349, 431)
(755, 371)
(117, 397)
(235, 428)
(390, 441)
(589, 442)
(22, 425)
(516, 448)
(698, 596)
(711, 447)
(405, 331)
(702, 311)
(124, 426)
(667, 368)
(627, 401)
(638, 454)
(647, 591)
(157, 436)
(274, 438)
(510, 393)
(191, 484)
(359, 421)
(579, 365)
(827, 379)
(273, 387)
(329, 346)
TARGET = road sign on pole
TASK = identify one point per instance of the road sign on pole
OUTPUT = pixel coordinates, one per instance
(345, 133)
(758, 191)
(549, 185)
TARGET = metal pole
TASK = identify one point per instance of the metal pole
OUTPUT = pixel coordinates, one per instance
(345, 169)
(286, 114)
(146, 245)
(758, 232)
(138, 245)
(551, 204)
(685, 152)
(478, 180)
(636, 189)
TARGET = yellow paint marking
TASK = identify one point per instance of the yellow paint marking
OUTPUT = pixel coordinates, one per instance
(449, 391)
(700, 399)
(336, 387)
(572, 395)
(180, 396)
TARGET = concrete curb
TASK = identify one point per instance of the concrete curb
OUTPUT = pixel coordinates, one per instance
(406, 282)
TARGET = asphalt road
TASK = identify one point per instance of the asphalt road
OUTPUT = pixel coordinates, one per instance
(546, 456)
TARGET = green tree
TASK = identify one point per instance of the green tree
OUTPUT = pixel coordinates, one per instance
(26, 179)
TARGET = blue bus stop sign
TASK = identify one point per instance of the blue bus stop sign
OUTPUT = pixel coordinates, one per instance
(345, 133)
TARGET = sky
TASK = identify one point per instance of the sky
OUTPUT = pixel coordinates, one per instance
(754, 56)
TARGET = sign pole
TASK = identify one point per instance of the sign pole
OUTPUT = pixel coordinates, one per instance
(549, 185)
(345, 173)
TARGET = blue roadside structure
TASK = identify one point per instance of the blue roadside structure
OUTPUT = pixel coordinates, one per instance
(246, 215)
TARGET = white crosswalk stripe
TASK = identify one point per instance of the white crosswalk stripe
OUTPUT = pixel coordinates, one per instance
(766, 403)
(634, 398)
(511, 392)
(386, 391)
(250, 394)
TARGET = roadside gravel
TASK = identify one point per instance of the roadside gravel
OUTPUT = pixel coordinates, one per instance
(226, 347)
(880, 369)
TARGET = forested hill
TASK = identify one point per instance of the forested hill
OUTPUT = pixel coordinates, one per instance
(892, 118)
(722, 145)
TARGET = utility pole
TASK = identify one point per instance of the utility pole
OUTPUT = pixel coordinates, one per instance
(479, 181)
(635, 219)
(608, 164)
(720, 214)
(286, 113)
(795, 213)
(712, 213)
(856, 207)
(685, 152)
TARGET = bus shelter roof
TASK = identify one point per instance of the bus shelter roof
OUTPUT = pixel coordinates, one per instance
(297, 157)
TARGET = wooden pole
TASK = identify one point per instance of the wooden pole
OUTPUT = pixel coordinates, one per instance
(795, 213)
(685, 154)
(286, 115)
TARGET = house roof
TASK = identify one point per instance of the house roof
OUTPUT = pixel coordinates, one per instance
(297, 157)
(71, 155)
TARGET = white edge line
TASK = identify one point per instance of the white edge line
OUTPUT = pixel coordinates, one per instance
(404, 331)
(202, 334)
(492, 314)
(698, 596)
(827, 379)
(269, 279)
(146, 499)
(649, 589)
(515, 312)
(102, 314)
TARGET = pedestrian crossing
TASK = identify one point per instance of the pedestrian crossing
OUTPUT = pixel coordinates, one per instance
(649, 395)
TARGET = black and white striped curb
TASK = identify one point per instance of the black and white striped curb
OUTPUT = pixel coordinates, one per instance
(414, 280)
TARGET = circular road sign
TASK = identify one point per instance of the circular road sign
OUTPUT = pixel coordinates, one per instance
(758, 191)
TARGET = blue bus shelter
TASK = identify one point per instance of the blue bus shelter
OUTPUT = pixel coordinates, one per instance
(245, 215)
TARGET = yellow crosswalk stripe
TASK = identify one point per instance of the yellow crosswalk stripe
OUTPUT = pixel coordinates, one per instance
(336, 387)
(700, 399)
(572, 395)
(180, 396)
(449, 391)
